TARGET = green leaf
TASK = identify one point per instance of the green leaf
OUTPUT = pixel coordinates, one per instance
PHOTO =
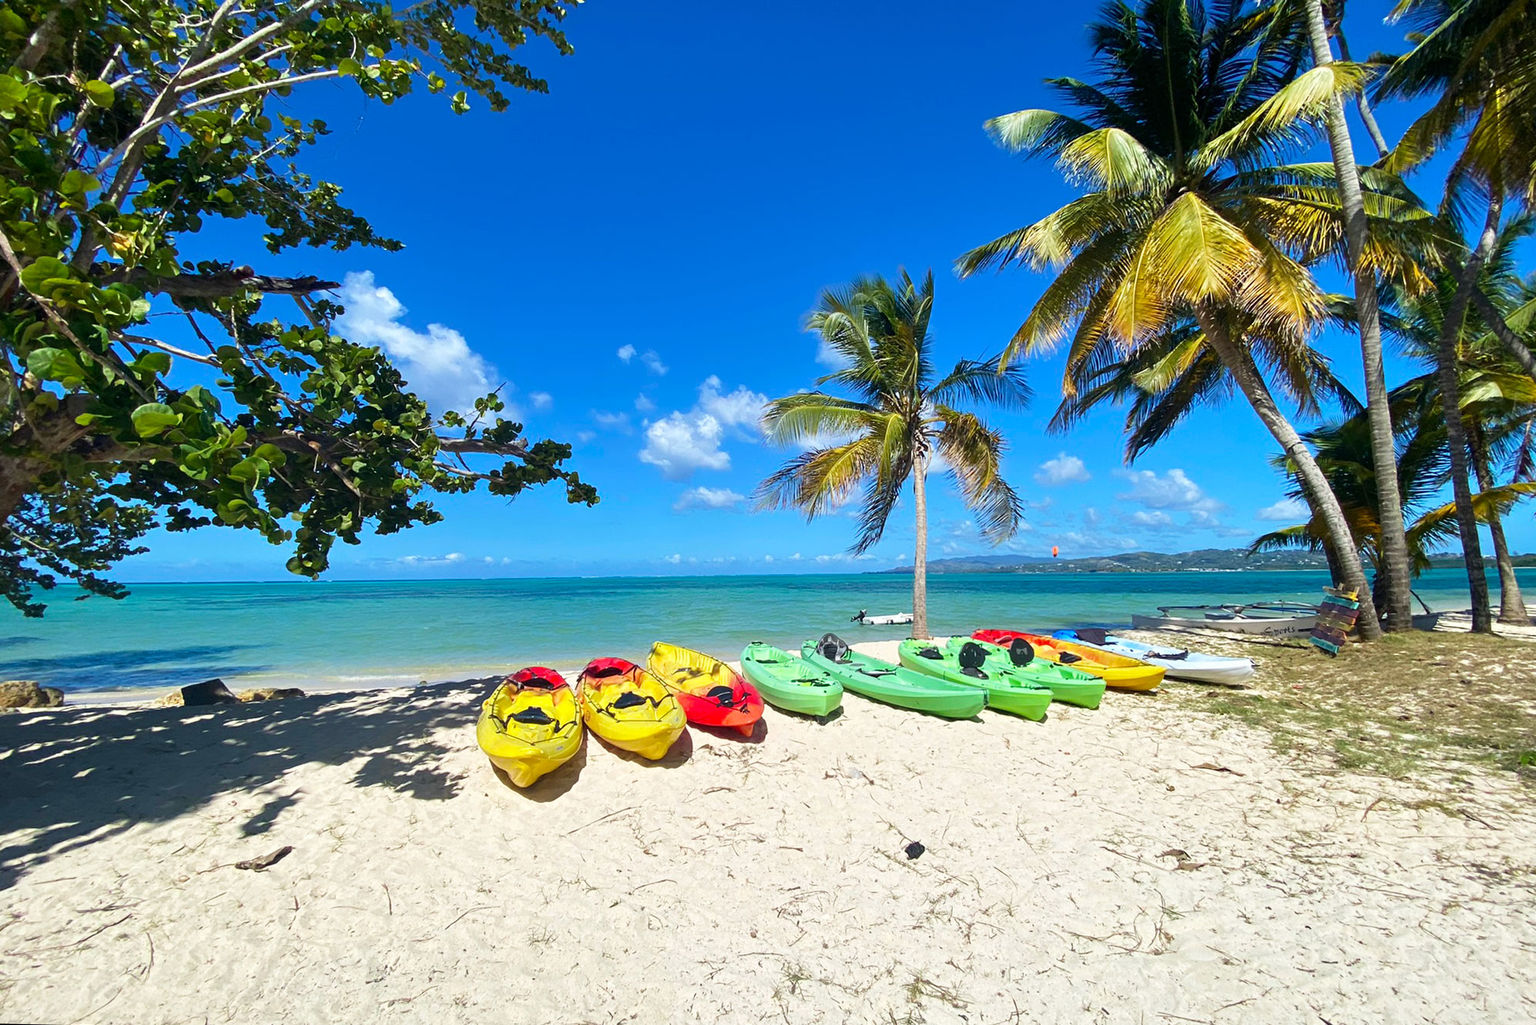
(54, 365)
(100, 93)
(154, 418)
(34, 274)
(154, 363)
(460, 103)
(349, 67)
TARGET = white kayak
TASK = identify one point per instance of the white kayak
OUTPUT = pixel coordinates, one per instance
(1180, 663)
(895, 619)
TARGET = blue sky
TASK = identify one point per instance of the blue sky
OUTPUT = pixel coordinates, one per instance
(633, 256)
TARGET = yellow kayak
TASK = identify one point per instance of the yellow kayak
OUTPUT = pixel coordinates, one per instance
(530, 725)
(711, 693)
(629, 708)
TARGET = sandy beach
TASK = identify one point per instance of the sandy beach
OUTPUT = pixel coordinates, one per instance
(1145, 862)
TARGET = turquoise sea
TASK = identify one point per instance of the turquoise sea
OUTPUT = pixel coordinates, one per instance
(376, 633)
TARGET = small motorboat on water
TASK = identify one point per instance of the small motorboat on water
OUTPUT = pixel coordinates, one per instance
(1267, 618)
(895, 619)
(1180, 663)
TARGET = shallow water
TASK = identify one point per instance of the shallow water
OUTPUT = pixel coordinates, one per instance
(375, 633)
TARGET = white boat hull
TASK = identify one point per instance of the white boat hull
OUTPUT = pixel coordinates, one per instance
(1188, 665)
(1274, 626)
(893, 620)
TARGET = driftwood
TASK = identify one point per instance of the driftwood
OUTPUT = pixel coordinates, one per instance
(266, 861)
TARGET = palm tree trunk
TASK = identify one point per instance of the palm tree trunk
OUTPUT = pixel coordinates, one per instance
(1362, 102)
(1511, 604)
(1448, 372)
(1393, 540)
(1324, 503)
(920, 555)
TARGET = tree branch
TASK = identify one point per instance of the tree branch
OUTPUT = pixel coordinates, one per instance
(216, 286)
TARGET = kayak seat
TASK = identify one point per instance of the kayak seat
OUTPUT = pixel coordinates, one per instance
(629, 699)
(833, 648)
(723, 694)
(534, 717)
(930, 652)
(1020, 653)
(876, 673)
(1066, 658)
(1092, 635)
(1167, 656)
(973, 672)
(972, 657)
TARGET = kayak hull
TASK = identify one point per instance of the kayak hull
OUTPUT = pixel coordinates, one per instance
(789, 682)
(530, 725)
(629, 708)
(1067, 685)
(1004, 691)
(1260, 626)
(1116, 671)
(711, 692)
(1187, 665)
(893, 685)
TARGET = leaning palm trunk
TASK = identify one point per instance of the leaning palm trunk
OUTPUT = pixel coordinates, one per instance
(1511, 604)
(1394, 543)
(1325, 505)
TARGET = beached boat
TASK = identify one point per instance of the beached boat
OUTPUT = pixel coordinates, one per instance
(1116, 671)
(1179, 663)
(788, 681)
(1067, 685)
(970, 667)
(709, 690)
(894, 619)
(628, 707)
(530, 724)
(893, 685)
(1271, 619)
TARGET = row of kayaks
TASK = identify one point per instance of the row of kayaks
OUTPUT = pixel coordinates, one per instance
(534, 721)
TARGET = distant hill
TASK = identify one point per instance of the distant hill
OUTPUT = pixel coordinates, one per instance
(1205, 560)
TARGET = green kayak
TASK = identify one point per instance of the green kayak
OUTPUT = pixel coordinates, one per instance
(788, 681)
(1005, 691)
(892, 684)
(1071, 686)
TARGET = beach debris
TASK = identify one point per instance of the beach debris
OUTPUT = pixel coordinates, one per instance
(266, 861)
(1182, 860)
(209, 692)
(29, 694)
(1212, 766)
(914, 850)
(269, 693)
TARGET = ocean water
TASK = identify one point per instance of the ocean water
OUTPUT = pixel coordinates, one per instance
(377, 633)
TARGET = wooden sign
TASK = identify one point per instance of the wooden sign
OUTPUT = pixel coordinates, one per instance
(1335, 618)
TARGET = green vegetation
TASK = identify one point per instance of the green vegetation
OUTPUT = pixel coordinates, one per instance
(899, 421)
(127, 127)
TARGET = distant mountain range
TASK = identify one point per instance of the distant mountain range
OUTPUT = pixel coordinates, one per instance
(1205, 560)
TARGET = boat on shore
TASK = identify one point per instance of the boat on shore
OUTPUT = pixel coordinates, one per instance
(894, 619)
(1179, 663)
(893, 685)
(1269, 619)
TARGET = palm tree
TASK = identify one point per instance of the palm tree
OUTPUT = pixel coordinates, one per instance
(1346, 452)
(1185, 218)
(1394, 547)
(898, 422)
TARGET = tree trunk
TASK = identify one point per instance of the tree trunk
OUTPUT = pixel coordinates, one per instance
(1503, 332)
(1511, 604)
(920, 555)
(1362, 102)
(1448, 373)
(1324, 503)
(1393, 541)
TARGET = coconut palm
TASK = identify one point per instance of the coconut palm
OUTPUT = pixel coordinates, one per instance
(1185, 218)
(1346, 452)
(897, 423)
(1395, 568)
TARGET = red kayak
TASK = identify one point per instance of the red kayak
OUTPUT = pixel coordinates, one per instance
(709, 691)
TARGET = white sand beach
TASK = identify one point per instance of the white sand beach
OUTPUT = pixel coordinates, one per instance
(1144, 862)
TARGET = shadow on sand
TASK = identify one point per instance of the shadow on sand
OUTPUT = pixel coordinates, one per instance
(70, 778)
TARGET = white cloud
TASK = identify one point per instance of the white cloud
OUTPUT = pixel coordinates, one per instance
(767, 558)
(680, 443)
(795, 557)
(741, 408)
(417, 561)
(1064, 469)
(708, 498)
(674, 558)
(438, 365)
(541, 399)
(1173, 490)
(644, 404)
(626, 353)
(612, 421)
(653, 362)
(1151, 518)
(829, 357)
(1287, 510)
(1090, 515)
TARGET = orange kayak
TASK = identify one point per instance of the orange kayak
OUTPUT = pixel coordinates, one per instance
(1116, 671)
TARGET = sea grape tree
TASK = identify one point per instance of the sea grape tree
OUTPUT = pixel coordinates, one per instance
(124, 128)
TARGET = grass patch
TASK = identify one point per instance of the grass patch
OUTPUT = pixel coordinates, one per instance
(1404, 704)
